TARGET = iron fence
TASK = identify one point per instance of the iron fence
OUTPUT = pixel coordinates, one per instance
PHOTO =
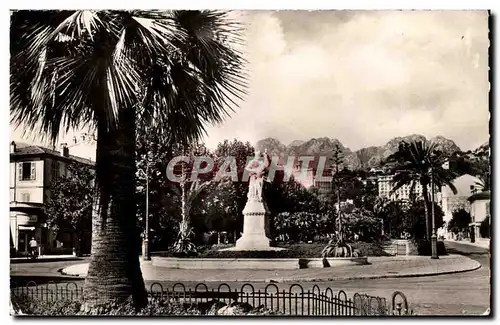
(292, 301)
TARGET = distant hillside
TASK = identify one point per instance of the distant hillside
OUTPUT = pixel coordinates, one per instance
(363, 158)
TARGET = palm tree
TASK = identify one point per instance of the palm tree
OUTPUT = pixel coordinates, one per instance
(413, 164)
(188, 193)
(176, 70)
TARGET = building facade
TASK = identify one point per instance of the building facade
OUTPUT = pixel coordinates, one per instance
(465, 185)
(385, 186)
(479, 211)
(32, 169)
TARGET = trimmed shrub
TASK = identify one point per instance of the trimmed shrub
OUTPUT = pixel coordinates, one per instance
(370, 249)
(424, 248)
(484, 228)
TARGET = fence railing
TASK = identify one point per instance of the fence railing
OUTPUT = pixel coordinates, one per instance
(292, 301)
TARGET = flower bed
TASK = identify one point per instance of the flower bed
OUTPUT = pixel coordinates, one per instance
(299, 250)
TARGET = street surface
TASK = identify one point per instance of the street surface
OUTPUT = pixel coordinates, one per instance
(465, 293)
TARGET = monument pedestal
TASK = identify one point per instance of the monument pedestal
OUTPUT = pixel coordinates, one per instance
(255, 235)
(255, 227)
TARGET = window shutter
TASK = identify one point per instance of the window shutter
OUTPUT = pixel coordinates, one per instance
(20, 171)
(33, 171)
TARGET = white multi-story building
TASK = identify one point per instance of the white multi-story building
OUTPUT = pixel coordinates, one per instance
(385, 187)
(32, 169)
(466, 185)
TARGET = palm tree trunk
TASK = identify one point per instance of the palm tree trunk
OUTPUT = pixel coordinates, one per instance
(114, 273)
(428, 229)
(185, 213)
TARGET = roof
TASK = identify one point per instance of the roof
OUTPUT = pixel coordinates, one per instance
(463, 185)
(485, 195)
(23, 149)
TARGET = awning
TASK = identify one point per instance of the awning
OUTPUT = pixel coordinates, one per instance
(26, 228)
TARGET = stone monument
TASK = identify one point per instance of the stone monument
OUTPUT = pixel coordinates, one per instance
(256, 234)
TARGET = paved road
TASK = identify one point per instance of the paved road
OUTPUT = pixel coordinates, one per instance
(465, 293)
(454, 294)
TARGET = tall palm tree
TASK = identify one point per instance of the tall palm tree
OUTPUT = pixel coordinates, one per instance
(177, 70)
(413, 164)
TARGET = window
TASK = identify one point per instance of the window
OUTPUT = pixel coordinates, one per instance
(27, 171)
(25, 197)
(55, 169)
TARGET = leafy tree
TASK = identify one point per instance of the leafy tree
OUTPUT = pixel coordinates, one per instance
(291, 197)
(415, 218)
(460, 221)
(299, 226)
(232, 195)
(69, 207)
(361, 222)
(176, 70)
(414, 163)
(461, 163)
(369, 195)
(219, 210)
(153, 153)
(392, 212)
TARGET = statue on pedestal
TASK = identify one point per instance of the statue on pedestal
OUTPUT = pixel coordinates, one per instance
(258, 169)
(255, 236)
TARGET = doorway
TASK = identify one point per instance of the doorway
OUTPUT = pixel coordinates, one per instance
(23, 240)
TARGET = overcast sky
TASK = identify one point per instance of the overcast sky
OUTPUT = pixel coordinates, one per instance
(362, 77)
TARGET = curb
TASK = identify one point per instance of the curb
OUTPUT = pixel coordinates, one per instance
(475, 265)
(383, 276)
(69, 274)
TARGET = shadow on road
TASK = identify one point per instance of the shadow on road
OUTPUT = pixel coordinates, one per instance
(45, 260)
(21, 281)
(453, 250)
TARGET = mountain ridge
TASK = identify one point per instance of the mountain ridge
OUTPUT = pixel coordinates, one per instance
(367, 157)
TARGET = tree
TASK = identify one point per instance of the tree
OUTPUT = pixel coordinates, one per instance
(460, 221)
(392, 212)
(480, 166)
(291, 197)
(361, 222)
(415, 224)
(299, 226)
(414, 163)
(237, 190)
(153, 153)
(175, 70)
(219, 210)
(188, 189)
(69, 207)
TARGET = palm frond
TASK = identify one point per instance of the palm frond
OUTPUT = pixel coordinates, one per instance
(178, 69)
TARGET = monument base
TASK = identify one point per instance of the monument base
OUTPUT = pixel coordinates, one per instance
(250, 246)
(255, 228)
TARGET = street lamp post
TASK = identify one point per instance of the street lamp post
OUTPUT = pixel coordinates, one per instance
(145, 243)
(434, 254)
(337, 161)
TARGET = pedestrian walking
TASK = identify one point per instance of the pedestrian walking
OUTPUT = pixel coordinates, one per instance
(33, 246)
